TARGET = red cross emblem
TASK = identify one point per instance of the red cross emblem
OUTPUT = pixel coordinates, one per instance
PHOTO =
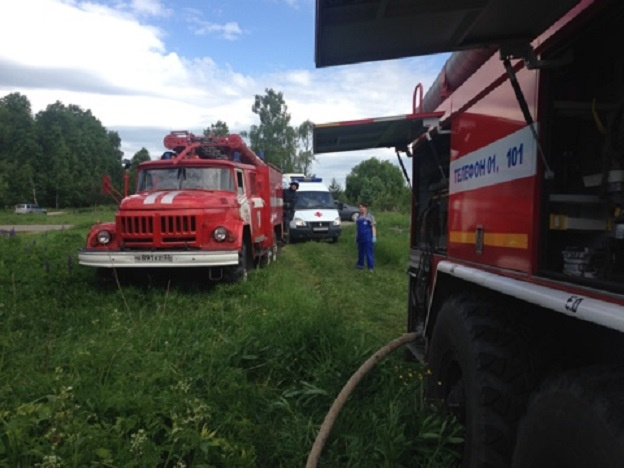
(318, 214)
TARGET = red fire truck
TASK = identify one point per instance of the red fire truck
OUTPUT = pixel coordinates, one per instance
(207, 202)
(516, 265)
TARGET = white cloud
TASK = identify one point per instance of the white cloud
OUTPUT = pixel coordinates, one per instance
(150, 7)
(230, 30)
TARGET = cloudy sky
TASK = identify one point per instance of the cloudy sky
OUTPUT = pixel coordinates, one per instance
(146, 67)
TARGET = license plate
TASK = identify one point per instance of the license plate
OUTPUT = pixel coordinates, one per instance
(153, 258)
(320, 229)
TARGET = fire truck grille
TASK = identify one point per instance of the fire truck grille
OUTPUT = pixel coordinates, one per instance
(170, 229)
(178, 228)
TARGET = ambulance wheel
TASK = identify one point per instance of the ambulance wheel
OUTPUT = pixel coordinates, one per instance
(480, 374)
(576, 421)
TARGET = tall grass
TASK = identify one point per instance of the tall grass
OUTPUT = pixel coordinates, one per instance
(176, 371)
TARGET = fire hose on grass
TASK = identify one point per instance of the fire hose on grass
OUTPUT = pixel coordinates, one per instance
(341, 399)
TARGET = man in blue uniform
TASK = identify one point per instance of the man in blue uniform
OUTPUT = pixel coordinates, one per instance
(366, 236)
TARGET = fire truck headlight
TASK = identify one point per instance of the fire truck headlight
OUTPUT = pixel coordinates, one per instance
(337, 221)
(104, 237)
(220, 234)
(299, 222)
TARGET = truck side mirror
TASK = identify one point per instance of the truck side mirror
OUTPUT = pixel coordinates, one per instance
(106, 184)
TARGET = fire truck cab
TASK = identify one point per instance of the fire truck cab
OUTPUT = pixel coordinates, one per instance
(516, 262)
(207, 202)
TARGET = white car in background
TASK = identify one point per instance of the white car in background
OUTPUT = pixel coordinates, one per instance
(28, 208)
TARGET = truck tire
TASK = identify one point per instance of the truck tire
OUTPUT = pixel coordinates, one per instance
(269, 256)
(416, 318)
(575, 421)
(480, 372)
(272, 256)
(241, 271)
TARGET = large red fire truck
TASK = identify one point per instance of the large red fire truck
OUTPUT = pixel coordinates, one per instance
(516, 265)
(207, 202)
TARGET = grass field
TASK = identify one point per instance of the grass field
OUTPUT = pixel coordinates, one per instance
(181, 372)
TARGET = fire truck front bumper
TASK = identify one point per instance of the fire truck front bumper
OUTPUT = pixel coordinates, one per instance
(148, 259)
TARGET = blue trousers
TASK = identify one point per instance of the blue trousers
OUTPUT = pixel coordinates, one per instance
(365, 252)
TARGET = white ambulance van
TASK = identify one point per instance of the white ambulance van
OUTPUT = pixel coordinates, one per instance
(316, 216)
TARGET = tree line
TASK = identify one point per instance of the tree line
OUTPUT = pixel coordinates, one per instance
(57, 158)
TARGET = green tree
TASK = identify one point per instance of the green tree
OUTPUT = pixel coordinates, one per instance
(19, 151)
(336, 190)
(139, 157)
(219, 128)
(379, 183)
(78, 151)
(305, 155)
(274, 137)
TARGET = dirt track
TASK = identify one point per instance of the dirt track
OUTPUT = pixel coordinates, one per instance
(34, 227)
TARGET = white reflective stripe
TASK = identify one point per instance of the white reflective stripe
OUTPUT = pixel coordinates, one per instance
(151, 198)
(245, 210)
(575, 305)
(257, 202)
(392, 118)
(511, 158)
(168, 199)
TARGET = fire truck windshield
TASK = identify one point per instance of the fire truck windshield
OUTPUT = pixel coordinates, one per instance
(188, 178)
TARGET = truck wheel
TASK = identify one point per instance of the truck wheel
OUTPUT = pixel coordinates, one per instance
(269, 257)
(241, 271)
(575, 421)
(416, 319)
(104, 276)
(480, 372)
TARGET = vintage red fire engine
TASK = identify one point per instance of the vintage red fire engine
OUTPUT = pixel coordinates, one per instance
(207, 202)
(516, 262)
